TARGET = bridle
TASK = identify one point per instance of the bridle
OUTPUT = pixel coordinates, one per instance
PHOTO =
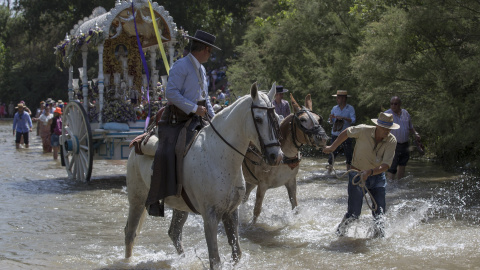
(273, 134)
(307, 132)
(274, 128)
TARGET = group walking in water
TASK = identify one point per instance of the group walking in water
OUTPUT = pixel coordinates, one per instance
(49, 125)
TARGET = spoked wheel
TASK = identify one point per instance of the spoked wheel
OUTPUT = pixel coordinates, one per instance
(76, 142)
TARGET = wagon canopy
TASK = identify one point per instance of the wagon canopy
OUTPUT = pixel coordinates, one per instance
(120, 20)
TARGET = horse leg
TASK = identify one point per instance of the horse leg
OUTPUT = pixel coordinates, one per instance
(291, 186)
(136, 215)
(176, 227)
(250, 187)
(258, 202)
(230, 222)
(210, 226)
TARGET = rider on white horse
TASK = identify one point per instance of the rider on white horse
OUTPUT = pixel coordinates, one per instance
(187, 93)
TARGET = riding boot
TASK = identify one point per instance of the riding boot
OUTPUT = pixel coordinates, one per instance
(156, 209)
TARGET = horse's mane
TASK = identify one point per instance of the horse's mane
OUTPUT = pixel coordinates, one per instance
(242, 99)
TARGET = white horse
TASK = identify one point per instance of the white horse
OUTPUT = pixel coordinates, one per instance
(301, 127)
(213, 178)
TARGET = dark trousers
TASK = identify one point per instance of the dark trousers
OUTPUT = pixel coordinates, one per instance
(402, 155)
(18, 137)
(347, 149)
(376, 185)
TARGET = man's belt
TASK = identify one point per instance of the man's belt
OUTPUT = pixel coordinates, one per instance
(177, 115)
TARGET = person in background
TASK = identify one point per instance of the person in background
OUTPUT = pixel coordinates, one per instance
(342, 116)
(402, 153)
(220, 95)
(22, 124)
(25, 108)
(373, 154)
(37, 115)
(56, 131)
(60, 104)
(45, 121)
(11, 109)
(282, 107)
(2, 110)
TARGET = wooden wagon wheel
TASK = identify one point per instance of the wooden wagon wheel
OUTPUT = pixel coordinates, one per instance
(76, 142)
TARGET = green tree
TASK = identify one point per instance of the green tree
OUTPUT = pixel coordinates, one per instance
(427, 53)
(304, 45)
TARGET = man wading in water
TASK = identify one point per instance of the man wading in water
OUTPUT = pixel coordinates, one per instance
(372, 156)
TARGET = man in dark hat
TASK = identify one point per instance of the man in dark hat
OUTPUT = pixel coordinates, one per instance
(187, 94)
(282, 107)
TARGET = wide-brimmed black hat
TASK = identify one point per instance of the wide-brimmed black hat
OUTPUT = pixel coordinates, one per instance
(204, 37)
(280, 89)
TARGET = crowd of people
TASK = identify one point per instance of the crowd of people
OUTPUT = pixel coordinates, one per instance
(49, 125)
(7, 111)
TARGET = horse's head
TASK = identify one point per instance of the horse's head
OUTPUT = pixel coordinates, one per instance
(265, 121)
(309, 123)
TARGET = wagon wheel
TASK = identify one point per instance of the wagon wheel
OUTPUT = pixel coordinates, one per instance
(76, 142)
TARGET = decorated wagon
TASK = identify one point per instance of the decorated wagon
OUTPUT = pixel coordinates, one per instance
(105, 113)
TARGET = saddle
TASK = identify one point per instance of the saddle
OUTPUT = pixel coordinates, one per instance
(176, 133)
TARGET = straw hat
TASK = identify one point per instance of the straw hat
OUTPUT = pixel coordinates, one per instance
(385, 120)
(341, 93)
(58, 110)
(20, 106)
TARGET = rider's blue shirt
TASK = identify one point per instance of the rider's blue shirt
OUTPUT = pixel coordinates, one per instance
(184, 89)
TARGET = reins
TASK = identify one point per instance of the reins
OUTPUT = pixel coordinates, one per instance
(273, 123)
(231, 146)
(361, 183)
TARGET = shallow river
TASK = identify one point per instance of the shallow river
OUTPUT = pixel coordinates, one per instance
(49, 222)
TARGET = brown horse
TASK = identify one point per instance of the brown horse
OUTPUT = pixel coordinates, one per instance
(301, 127)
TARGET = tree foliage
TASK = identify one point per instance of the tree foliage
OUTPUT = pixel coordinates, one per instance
(428, 54)
(425, 51)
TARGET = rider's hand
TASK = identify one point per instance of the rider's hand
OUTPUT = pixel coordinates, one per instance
(201, 111)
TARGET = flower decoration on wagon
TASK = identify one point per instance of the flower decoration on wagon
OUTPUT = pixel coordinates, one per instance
(66, 51)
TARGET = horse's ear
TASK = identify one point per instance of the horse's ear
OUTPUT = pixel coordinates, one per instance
(254, 91)
(296, 107)
(308, 102)
(273, 91)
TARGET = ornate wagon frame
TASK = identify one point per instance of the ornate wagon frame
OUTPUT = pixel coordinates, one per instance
(81, 140)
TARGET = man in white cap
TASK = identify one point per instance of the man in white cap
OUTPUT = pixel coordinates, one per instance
(187, 95)
(373, 155)
(342, 116)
